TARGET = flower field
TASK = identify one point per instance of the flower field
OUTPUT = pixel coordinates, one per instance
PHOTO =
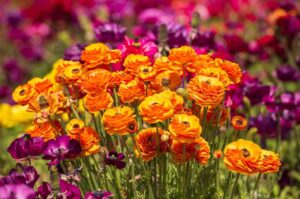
(150, 99)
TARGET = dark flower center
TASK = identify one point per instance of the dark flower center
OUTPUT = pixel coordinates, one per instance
(246, 153)
(75, 70)
(165, 82)
(239, 122)
(43, 103)
(76, 126)
(145, 70)
(131, 126)
(186, 123)
(22, 92)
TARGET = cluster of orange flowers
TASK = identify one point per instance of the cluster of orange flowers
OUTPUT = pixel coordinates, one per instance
(248, 158)
(146, 98)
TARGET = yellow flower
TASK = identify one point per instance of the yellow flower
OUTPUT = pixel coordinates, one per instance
(176, 100)
(22, 94)
(218, 73)
(269, 162)
(156, 108)
(133, 62)
(185, 128)
(162, 64)
(146, 73)
(75, 127)
(206, 91)
(167, 79)
(12, 115)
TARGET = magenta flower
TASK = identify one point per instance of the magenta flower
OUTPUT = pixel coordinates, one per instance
(44, 190)
(17, 191)
(287, 73)
(98, 195)
(26, 147)
(62, 148)
(115, 159)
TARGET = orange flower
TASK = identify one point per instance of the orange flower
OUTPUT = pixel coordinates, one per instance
(184, 56)
(132, 91)
(95, 102)
(62, 76)
(185, 128)
(182, 152)
(94, 81)
(155, 109)
(74, 127)
(162, 64)
(45, 130)
(269, 162)
(202, 151)
(146, 73)
(242, 156)
(202, 61)
(22, 94)
(218, 154)
(117, 119)
(132, 127)
(213, 114)
(89, 141)
(232, 69)
(98, 54)
(148, 143)
(239, 123)
(206, 91)
(119, 77)
(216, 73)
(176, 100)
(40, 85)
(133, 62)
(166, 79)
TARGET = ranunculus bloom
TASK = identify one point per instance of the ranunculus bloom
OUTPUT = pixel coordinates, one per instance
(206, 91)
(148, 143)
(131, 91)
(89, 141)
(176, 100)
(146, 73)
(98, 195)
(115, 159)
(115, 120)
(75, 126)
(95, 102)
(287, 73)
(67, 71)
(26, 147)
(218, 73)
(197, 149)
(217, 154)
(19, 191)
(95, 81)
(185, 128)
(239, 123)
(167, 79)
(162, 64)
(184, 56)
(133, 62)
(46, 130)
(119, 77)
(98, 54)
(155, 109)
(62, 148)
(242, 156)
(22, 94)
(270, 162)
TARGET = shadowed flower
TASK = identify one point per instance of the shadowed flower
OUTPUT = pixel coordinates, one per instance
(98, 195)
(155, 109)
(62, 148)
(116, 120)
(206, 91)
(19, 191)
(242, 156)
(185, 128)
(239, 123)
(148, 143)
(26, 147)
(115, 159)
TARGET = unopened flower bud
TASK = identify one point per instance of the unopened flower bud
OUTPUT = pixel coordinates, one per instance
(217, 154)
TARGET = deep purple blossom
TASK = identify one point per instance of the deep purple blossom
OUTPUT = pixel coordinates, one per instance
(204, 39)
(44, 190)
(17, 191)
(256, 92)
(116, 159)
(98, 195)
(110, 33)
(62, 148)
(73, 53)
(21, 175)
(287, 73)
(177, 35)
(26, 147)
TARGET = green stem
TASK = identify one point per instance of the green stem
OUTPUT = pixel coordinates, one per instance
(234, 185)
(256, 183)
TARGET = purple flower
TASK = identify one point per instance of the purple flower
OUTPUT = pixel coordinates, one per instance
(115, 159)
(17, 191)
(287, 73)
(21, 175)
(61, 148)
(14, 18)
(111, 33)
(26, 147)
(177, 35)
(204, 40)
(44, 190)
(235, 43)
(98, 195)
(74, 52)
(256, 92)
(13, 70)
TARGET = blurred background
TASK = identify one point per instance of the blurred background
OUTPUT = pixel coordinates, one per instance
(262, 36)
